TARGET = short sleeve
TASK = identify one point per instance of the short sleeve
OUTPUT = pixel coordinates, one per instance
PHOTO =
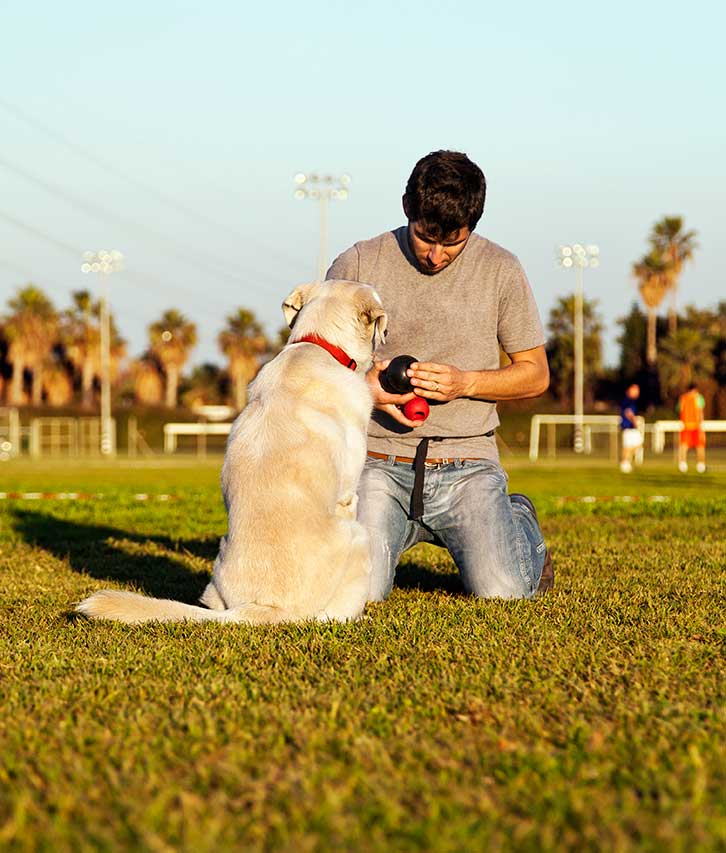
(519, 327)
(345, 267)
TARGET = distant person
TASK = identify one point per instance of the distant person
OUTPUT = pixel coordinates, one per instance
(690, 410)
(631, 437)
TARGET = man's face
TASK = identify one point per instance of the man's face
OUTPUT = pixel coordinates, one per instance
(431, 255)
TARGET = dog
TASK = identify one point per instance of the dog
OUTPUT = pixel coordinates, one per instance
(293, 550)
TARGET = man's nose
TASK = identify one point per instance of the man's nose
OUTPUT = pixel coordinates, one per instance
(436, 254)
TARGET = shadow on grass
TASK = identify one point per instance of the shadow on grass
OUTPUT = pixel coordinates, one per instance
(413, 575)
(90, 549)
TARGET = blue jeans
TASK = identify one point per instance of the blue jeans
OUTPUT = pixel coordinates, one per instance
(495, 540)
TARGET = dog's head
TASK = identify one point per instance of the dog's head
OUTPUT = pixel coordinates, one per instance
(345, 313)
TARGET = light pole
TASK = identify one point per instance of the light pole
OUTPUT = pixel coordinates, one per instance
(579, 257)
(104, 263)
(323, 188)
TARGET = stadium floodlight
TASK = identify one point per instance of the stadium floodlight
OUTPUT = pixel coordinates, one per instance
(104, 263)
(322, 188)
(579, 257)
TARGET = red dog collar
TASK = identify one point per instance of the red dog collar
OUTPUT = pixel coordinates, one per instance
(338, 354)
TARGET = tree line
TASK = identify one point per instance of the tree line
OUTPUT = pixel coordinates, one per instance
(53, 357)
(664, 354)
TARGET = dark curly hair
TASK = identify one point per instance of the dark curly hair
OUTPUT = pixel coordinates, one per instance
(445, 192)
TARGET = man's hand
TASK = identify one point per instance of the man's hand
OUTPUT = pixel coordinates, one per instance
(439, 381)
(386, 402)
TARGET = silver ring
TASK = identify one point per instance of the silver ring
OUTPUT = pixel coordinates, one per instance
(436, 386)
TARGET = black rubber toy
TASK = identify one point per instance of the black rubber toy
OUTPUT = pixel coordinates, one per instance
(394, 379)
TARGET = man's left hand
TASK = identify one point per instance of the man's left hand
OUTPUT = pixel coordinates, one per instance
(442, 382)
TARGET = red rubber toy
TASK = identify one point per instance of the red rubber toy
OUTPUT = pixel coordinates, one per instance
(416, 409)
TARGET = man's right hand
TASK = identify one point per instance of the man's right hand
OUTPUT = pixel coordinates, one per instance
(385, 402)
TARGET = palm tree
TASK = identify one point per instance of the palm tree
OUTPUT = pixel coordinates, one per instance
(148, 384)
(203, 387)
(561, 346)
(675, 246)
(242, 341)
(81, 339)
(172, 338)
(57, 384)
(686, 356)
(650, 274)
(31, 333)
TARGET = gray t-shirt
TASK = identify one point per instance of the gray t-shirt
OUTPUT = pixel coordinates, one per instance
(458, 316)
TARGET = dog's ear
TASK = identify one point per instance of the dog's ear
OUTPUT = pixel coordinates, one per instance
(381, 330)
(373, 314)
(295, 301)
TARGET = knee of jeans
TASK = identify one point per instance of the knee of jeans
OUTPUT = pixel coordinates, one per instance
(383, 561)
(526, 520)
(510, 588)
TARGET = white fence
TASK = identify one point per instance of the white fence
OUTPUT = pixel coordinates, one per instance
(610, 424)
(68, 437)
(661, 428)
(201, 430)
(9, 433)
(591, 424)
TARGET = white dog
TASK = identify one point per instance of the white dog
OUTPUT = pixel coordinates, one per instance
(293, 549)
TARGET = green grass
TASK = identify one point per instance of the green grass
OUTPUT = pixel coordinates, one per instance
(593, 718)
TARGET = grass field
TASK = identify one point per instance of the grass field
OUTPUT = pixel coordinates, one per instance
(593, 718)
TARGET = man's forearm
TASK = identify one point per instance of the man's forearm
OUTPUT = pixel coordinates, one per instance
(516, 381)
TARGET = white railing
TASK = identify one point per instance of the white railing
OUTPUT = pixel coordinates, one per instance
(660, 428)
(9, 433)
(174, 430)
(55, 436)
(590, 424)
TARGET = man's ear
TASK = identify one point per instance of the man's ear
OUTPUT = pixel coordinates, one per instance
(405, 206)
(295, 301)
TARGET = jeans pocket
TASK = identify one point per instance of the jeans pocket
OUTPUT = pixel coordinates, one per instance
(496, 475)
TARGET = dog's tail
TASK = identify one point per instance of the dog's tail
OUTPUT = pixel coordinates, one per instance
(135, 609)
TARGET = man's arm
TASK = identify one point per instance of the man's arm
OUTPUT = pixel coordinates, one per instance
(527, 376)
(629, 416)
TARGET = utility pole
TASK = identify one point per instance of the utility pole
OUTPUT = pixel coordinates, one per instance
(104, 263)
(579, 257)
(322, 188)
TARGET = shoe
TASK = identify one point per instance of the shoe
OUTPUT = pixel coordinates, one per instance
(701, 467)
(626, 467)
(683, 467)
(547, 578)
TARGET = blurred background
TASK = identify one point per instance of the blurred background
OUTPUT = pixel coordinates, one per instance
(173, 133)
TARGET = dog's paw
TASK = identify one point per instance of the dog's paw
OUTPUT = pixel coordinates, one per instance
(347, 507)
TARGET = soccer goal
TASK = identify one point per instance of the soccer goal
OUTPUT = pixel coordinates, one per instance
(9, 433)
(592, 426)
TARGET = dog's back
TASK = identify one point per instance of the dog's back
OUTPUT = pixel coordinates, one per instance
(294, 457)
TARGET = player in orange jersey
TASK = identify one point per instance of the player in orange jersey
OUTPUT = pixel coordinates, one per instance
(690, 410)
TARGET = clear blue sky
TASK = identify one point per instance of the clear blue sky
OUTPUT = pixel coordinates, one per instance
(590, 121)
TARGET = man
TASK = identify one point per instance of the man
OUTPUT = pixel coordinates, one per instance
(452, 299)
(690, 410)
(632, 440)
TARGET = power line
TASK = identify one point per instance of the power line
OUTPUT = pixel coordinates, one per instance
(140, 281)
(119, 173)
(96, 210)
